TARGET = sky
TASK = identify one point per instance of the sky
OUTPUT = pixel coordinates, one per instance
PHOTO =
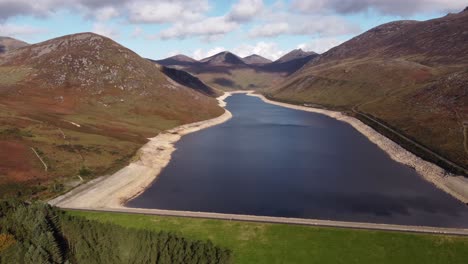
(200, 28)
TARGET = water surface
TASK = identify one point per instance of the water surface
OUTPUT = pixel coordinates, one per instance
(275, 161)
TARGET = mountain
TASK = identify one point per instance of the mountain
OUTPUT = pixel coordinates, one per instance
(410, 75)
(85, 104)
(224, 58)
(177, 60)
(290, 62)
(7, 43)
(294, 55)
(256, 59)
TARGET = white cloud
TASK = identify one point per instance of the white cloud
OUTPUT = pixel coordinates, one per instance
(199, 54)
(11, 8)
(105, 30)
(304, 25)
(245, 10)
(393, 7)
(14, 30)
(209, 27)
(269, 50)
(163, 11)
(167, 11)
(320, 45)
(137, 11)
(269, 30)
(106, 13)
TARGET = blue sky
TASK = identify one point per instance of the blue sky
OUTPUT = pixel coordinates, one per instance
(157, 29)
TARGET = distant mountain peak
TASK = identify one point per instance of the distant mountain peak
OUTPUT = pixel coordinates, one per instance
(182, 57)
(177, 60)
(295, 54)
(8, 43)
(256, 59)
(223, 58)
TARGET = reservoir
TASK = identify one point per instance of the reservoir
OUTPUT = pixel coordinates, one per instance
(274, 161)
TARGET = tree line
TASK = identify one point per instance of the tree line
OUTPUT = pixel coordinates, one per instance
(39, 233)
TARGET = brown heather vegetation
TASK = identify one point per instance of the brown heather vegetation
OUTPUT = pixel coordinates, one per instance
(83, 101)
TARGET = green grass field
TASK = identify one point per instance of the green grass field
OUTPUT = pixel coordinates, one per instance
(280, 243)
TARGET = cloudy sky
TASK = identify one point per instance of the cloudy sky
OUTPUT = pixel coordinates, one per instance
(199, 28)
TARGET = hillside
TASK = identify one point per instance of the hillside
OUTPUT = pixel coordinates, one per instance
(186, 79)
(410, 75)
(7, 44)
(83, 104)
(227, 71)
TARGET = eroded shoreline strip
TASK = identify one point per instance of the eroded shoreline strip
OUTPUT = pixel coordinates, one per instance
(115, 190)
(456, 186)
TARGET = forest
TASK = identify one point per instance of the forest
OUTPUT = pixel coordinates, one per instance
(39, 233)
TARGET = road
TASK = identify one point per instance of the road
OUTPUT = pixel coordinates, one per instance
(454, 165)
(283, 220)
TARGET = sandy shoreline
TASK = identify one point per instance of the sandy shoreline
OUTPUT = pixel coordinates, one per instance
(456, 186)
(114, 190)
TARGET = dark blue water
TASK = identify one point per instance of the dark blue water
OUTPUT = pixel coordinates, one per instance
(270, 160)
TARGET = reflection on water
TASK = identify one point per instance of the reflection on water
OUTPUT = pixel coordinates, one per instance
(270, 160)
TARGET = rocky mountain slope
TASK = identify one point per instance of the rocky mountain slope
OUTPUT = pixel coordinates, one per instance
(7, 43)
(83, 104)
(410, 75)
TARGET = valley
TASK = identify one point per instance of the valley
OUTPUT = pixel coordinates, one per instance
(245, 151)
(73, 127)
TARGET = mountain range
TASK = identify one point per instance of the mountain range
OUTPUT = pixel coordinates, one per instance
(227, 71)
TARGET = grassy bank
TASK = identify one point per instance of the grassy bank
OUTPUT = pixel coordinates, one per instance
(279, 243)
